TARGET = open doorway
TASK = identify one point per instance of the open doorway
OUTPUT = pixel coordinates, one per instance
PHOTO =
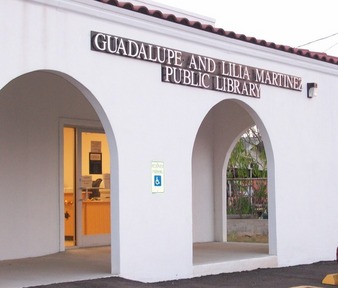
(86, 187)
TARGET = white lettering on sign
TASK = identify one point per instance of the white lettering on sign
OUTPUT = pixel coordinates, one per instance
(199, 71)
(130, 48)
(235, 86)
(186, 77)
(201, 63)
(278, 79)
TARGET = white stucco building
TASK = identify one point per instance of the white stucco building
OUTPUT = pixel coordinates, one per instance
(153, 104)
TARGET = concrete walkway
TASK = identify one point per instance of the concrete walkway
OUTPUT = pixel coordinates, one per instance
(217, 257)
(94, 263)
(72, 265)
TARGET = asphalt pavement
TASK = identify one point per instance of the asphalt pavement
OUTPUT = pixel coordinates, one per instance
(295, 276)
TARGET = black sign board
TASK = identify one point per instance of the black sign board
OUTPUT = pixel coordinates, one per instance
(95, 163)
(179, 67)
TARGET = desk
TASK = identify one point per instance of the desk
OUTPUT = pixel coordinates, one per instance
(86, 192)
(96, 216)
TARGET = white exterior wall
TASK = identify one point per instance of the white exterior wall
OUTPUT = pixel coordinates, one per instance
(152, 120)
(202, 185)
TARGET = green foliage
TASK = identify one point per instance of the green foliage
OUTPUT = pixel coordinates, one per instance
(239, 161)
(244, 205)
(248, 154)
(247, 162)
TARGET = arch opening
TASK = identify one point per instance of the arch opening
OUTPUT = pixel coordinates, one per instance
(218, 133)
(34, 109)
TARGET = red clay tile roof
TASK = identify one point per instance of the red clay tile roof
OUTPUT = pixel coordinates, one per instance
(209, 28)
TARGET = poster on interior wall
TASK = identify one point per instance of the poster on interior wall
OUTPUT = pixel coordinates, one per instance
(95, 163)
(95, 146)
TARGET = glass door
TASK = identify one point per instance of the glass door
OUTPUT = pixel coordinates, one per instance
(69, 160)
(93, 192)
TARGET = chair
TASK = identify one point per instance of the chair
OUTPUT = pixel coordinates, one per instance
(95, 192)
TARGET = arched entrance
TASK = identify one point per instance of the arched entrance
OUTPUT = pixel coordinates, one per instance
(215, 139)
(34, 109)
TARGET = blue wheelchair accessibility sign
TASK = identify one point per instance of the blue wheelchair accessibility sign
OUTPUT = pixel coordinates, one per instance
(157, 180)
(157, 177)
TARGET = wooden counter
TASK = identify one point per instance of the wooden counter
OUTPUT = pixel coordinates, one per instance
(95, 217)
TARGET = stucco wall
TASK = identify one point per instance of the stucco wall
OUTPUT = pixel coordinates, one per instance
(156, 121)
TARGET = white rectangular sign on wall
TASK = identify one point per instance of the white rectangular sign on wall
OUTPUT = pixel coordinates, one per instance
(86, 181)
(157, 177)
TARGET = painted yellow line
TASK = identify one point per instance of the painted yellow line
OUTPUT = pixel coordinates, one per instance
(306, 286)
(331, 279)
